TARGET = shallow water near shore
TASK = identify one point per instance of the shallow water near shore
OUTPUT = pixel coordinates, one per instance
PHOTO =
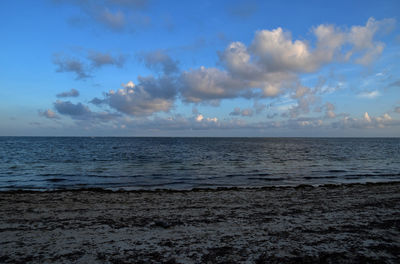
(48, 163)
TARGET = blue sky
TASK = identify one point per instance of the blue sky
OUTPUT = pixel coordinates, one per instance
(199, 68)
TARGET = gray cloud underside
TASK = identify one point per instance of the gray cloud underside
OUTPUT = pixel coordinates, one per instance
(116, 15)
(67, 64)
(160, 61)
(80, 111)
(83, 67)
(150, 95)
(70, 93)
(99, 59)
(241, 112)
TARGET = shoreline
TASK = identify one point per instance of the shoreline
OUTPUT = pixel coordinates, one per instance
(197, 189)
(343, 223)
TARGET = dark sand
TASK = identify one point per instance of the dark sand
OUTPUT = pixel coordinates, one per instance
(335, 224)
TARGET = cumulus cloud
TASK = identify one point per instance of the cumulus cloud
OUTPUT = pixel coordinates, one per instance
(160, 61)
(276, 51)
(151, 95)
(68, 64)
(271, 64)
(48, 114)
(362, 39)
(209, 84)
(70, 93)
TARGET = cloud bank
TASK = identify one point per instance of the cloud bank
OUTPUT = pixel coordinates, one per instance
(269, 67)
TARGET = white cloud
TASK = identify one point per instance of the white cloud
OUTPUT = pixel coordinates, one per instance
(48, 114)
(367, 118)
(212, 119)
(370, 95)
(277, 52)
(129, 84)
(362, 39)
(366, 121)
(199, 118)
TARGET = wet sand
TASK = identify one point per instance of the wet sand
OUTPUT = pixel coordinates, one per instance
(336, 224)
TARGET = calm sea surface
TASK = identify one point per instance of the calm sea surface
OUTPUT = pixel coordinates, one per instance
(184, 163)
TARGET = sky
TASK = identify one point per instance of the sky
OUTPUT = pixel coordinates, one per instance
(200, 68)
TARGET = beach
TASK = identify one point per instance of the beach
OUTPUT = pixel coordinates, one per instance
(348, 223)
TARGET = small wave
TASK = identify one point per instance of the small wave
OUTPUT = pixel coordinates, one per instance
(156, 185)
(248, 175)
(319, 177)
(55, 174)
(337, 171)
(263, 174)
(56, 180)
(114, 176)
(356, 176)
(100, 169)
(233, 175)
(266, 179)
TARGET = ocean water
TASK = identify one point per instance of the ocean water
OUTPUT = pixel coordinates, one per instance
(44, 163)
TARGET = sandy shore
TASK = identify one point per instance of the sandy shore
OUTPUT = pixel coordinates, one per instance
(347, 223)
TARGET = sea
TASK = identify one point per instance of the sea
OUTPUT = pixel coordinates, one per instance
(137, 163)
